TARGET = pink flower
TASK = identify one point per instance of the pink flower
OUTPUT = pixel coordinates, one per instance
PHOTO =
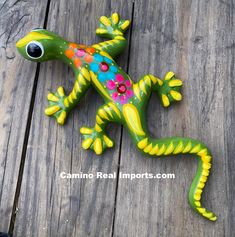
(121, 89)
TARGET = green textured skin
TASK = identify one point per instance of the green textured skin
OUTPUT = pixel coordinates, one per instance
(125, 101)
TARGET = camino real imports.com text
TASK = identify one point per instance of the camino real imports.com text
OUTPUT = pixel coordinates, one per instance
(114, 175)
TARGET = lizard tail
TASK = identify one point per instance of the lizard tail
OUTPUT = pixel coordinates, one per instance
(172, 146)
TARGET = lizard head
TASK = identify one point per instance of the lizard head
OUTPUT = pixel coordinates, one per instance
(40, 45)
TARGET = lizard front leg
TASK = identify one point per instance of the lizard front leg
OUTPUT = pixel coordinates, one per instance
(168, 88)
(95, 138)
(113, 28)
(60, 104)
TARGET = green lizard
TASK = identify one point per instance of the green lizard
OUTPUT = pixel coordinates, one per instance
(125, 101)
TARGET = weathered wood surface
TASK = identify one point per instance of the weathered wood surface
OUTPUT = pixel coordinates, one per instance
(17, 78)
(193, 38)
(49, 205)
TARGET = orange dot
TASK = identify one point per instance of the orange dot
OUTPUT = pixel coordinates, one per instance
(88, 58)
(82, 46)
(90, 50)
(73, 45)
(77, 62)
(69, 53)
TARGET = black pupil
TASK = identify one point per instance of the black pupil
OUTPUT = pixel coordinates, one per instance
(34, 50)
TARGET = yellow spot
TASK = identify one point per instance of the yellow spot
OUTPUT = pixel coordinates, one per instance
(125, 25)
(81, 80)
(60, 91)
(187, 148)
(154, 150)
(206, 159)
(148, 148)
(198, 204)
(206, 166)
(175, 82)
(52, 97)
(85, 130)
(98, 128)
(208, 214)
(176, 95)
(202, 152)
(201, 185)
(136, 90)
(161, 150)
(108, 110)
(87, 143)
(132, 118)
(179, 148)
(86, 74)
(77, 87)
(205, 172)
(115, 18)
(165, 100)
(103, 53)
(99, 86)
(169, 75)
(214, 218)
(98, 146)
(142, 86)
(197, 197)
(30, 37)
(97, 46)
(196, 149)
(70, 99)
(203, 179)
(66, 102)
(119, 37)
(104, 20)
(108, 141)
(51, 110)
(99, 120)
(160, 82)
(143, 143)
(102, 114)
(198, 191)
(153, 79)
(147, 80)
(61, 118)
(201, 209)
(169, 149)
(116, 110)
(73, 94)
(101, 31)
(117, 32)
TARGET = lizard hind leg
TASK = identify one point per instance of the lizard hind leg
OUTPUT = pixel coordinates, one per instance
(96, 138)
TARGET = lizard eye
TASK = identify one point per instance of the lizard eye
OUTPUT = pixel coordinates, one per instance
(34, 50)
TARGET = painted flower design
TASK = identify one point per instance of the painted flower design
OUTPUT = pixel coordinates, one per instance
(121, 89)
(102, 66)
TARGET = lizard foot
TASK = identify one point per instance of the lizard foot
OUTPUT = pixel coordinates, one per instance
(169, 89)
(56, 106)
(95, 139)
(112, 26)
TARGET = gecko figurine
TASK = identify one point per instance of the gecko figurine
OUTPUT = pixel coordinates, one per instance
(125, 101)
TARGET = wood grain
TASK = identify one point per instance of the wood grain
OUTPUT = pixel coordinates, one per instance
(49, 205)
(190, 38)
(193, 38)
(17, 78)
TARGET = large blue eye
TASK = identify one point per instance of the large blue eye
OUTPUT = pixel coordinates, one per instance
(34, 49)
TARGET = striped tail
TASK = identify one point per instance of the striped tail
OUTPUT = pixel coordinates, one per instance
(175, 146)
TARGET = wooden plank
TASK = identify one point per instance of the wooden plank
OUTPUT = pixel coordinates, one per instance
(190, 38)
(17, 78)
(49, 205)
